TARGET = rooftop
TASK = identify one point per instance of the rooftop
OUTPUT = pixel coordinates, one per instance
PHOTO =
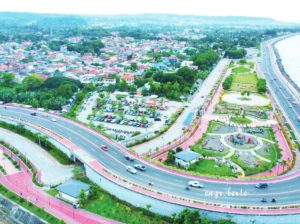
(187, 155)
(73, 187)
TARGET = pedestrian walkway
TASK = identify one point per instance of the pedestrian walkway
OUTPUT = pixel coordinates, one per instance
(45, 163)
(21, 184)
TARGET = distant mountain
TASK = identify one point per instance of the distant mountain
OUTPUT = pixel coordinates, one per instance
(59, 21)
(172, 19)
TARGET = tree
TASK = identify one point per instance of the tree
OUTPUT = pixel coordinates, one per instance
(32, 82)
(261, 85)
(188, 217)
(7, 79)
(64, 91)
(227, 82)
(170, 158)
(235, 53)
(6, 95)
(133, 66)
(148, 206)
(82, 198)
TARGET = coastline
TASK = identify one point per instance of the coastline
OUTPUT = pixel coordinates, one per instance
(281, 66)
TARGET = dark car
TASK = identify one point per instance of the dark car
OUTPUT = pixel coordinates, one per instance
(263, 200)
(33, 114)
(129, 157)
(140, 167)
(261, 185)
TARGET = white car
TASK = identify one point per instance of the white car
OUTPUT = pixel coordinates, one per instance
(195, 184)
(130, 169)
(53, 120)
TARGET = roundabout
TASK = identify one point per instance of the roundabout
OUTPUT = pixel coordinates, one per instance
(252, 100)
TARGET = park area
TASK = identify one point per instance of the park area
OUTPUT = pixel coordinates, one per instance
(247, 151)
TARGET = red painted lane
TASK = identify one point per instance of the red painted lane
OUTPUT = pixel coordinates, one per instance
(21, 184)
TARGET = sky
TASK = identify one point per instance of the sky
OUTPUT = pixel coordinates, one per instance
(284, 10)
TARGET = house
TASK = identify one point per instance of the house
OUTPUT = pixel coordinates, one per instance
(71, 189)
(108, 81)
(128, 78)
(185, 158)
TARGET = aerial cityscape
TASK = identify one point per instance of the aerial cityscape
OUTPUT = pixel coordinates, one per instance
(122, 112)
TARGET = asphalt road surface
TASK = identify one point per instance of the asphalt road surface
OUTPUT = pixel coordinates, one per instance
(286, 192)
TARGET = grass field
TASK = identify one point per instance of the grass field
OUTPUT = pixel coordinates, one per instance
(240, 69)
(263, 166)
(240, 120)
(250, 78)
(207, 152)
(211, 167)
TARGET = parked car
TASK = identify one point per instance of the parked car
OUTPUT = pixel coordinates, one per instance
(129, 157)
(130, 169)
(104, 147)
(261, 185)
(196, 184)
(140, 167)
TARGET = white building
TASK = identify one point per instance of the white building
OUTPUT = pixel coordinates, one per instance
(71, 189)
(185, 158)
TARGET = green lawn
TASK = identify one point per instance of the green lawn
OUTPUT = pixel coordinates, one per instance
(207, 152)
(107, 205)
(207, 167)
(250, 78)
(240, 69)
(275, 152)
(53, 192)
(240, 120)
(263, 166)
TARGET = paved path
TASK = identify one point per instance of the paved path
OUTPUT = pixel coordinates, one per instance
(45, 163)
(21, 184)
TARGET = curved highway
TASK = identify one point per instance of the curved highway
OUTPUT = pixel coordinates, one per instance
(286, 192)
(287, 100)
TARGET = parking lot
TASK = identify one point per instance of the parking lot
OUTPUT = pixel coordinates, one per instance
(124, 116)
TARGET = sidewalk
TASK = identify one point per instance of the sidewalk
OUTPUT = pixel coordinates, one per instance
(21, 183)
(45, 163)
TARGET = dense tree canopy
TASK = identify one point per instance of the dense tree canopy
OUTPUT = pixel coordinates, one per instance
(235, 53)
(261, 85)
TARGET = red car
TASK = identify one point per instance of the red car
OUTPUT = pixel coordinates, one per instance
(104, 147)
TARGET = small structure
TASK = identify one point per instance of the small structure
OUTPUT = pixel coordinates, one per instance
(185, 158)
(71, 189)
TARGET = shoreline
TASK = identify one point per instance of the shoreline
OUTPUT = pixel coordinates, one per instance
(281, 66)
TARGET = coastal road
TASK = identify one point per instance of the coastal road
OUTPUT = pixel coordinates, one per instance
(286, 99)
(286, 192)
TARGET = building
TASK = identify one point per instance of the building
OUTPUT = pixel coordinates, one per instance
(185, 158)
(71, 189)
(128, 78)
(108, 81)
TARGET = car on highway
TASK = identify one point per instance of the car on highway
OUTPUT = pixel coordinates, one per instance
(130, 169)
(261, 185)
(140, 167)
(196, 184)
(53, 120)
(33, 113)
(264, 200)
(129, 157)
(104, 147)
